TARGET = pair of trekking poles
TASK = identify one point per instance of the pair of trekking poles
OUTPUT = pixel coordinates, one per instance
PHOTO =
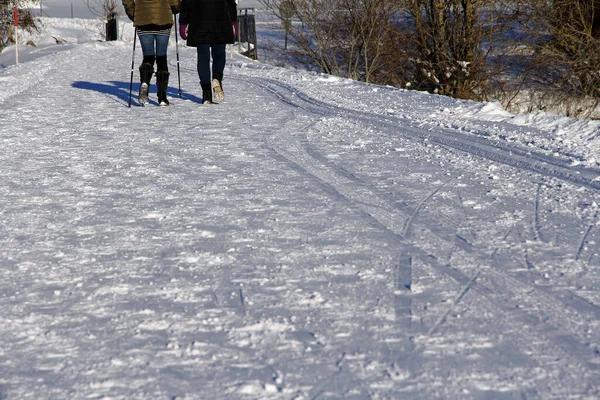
(133, 61)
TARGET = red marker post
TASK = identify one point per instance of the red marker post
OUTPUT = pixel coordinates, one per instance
(16, 18)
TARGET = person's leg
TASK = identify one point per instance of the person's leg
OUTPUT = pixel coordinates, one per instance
(203, 66)
(218, 58)
(147, 66)
(147, 43)
(162, 43)
(162, 68)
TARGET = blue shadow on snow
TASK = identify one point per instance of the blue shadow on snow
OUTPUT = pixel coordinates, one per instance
(120, 90)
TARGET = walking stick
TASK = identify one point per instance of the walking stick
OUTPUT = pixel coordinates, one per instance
(177, 51)
(132, 61)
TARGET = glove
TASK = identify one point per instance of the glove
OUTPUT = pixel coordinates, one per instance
(234, 25)
(182, 31)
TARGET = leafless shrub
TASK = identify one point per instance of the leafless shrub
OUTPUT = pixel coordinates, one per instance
(528, 54)
(27, 20)
(105, 9)
(441, 46)
(286, 13)
(347, 38)
(565, 57)
(459, 46)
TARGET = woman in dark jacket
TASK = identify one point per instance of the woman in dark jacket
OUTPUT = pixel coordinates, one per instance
(153, 20)
(210, 27)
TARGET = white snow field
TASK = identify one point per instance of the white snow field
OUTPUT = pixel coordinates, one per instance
(310, 237)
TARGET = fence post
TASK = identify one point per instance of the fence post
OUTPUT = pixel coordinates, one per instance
(16, 18)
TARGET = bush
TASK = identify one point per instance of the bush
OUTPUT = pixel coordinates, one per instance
(564, 60)
(528, 54)
(27, 21)
(348, 38)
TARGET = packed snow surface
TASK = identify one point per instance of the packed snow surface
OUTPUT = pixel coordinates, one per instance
(310, 237)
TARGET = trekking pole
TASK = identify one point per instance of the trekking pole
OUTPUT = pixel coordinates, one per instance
(177, 52)
(132, 61)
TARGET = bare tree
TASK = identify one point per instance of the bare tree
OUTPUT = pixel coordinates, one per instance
(574, 44)
(286, 13)
(454, 41)
(369, 33)
(564, 38)
(346, 38)
(442, 46)
(105, 9)
(472, 49)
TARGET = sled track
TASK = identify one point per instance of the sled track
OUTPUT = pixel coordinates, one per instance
(567, 343)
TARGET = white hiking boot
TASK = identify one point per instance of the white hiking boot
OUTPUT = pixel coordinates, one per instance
(218, 95)
(143, 96)
(146, 71)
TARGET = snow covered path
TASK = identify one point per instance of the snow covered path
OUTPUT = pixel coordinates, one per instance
(309, 238)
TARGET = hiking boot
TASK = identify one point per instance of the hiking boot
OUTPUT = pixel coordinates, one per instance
(207, 94)
(162, 83)
(218, 94)
(146, 71)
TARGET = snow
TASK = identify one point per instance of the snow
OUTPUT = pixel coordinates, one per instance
(310, 237)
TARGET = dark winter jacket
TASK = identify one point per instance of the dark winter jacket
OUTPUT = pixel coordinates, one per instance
(151, 12)
(208, 21)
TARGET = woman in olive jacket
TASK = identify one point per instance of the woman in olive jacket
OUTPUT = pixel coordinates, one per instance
(210, 27)
(153, 20)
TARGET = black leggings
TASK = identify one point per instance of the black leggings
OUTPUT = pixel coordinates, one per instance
(161, 62)
(218, 61)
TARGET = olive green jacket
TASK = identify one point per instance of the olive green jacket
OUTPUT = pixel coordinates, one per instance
(151, 12)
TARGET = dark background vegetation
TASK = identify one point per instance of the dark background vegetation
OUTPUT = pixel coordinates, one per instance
(527, 54)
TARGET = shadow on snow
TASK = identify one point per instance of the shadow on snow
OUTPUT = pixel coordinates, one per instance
(120, 90)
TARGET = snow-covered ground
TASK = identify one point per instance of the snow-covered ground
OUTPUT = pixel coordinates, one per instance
(309, 238)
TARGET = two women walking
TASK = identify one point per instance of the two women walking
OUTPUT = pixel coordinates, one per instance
(208, 25)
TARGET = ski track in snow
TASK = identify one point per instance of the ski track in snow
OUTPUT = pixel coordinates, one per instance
(351, 189)
(287, 243)
(503, 287)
